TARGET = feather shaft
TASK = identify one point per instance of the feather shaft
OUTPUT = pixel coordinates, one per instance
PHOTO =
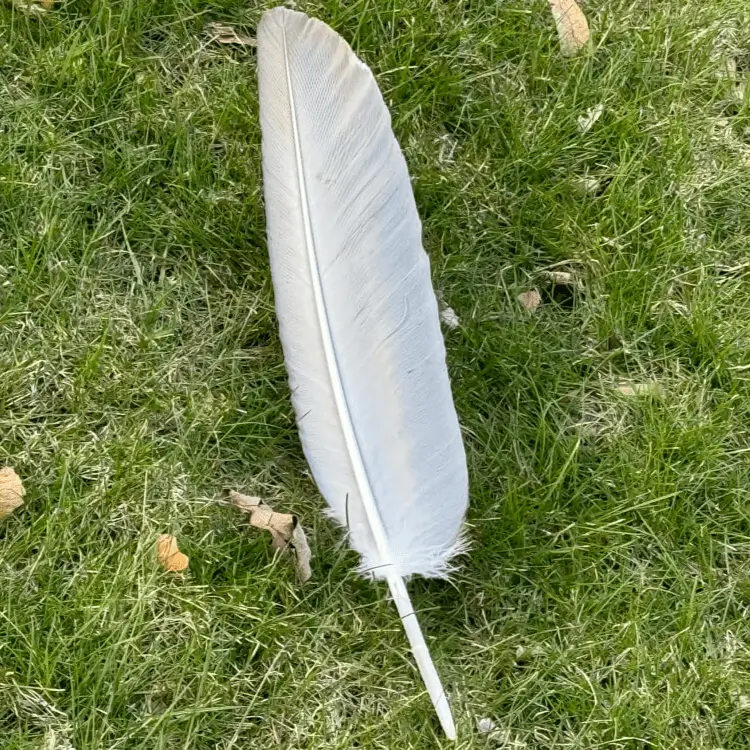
(421, 653)
(395, 582)
(344, 414)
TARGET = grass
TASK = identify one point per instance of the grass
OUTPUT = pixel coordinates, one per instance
(606, 600)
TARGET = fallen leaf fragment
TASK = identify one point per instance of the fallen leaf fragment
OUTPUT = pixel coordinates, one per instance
(11, 491)
(56, 740)
(224, 34)
(33, 7)
(572, 26)
(486, 726)
(449, 318)
(286, 532)
(530, 300)
(587, 185)
(652, 388)
(50, 739)
(587, 121)
(729, 69)
(169, 555)
(564, 278)
(729, 72)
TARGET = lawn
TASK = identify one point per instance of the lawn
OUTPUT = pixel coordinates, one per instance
(605, 601)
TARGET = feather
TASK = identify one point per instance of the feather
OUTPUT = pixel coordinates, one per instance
(357, 313)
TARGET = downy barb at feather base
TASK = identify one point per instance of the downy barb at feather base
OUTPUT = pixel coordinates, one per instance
(357, 314)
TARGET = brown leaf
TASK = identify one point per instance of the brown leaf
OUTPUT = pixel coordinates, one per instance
(11, 491)
(287, 534)
(224, 34)
(572, 26)
(169, 555)
(530, 300)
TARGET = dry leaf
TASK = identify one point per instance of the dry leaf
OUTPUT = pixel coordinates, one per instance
(449, 318)
(640, 389)
(56, 740)
(729, 69)
(564, 278)
(587, 121)
(50, 739)
(729, 72)
(486, 726)
(224, 34)
(33, 7)
(572, 26)
(169, 555)
(530, 300)
(11, 491)
(587, 185)
(286, 533)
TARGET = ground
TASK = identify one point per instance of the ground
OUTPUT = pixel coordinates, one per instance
(605, 601)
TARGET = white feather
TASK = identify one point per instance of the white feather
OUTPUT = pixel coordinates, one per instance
(357, 313)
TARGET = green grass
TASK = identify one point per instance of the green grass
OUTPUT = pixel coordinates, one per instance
(606, 599)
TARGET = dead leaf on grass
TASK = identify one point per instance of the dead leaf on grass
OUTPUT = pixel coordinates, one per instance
(729, 72)
(486, 725)
(530, 300)
(56, 740)
(587, 121)
(286, 532)
(586, 185)
(169, 555)
(32, 7)
(449, 318)
(728, 69)
(572, 26)
(565, 279)
(651, 388)
(11, 491)
(224, 34)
